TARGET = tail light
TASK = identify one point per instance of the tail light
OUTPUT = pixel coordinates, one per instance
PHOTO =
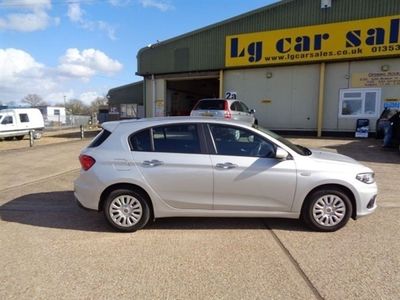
(86, 161)
(227, 112)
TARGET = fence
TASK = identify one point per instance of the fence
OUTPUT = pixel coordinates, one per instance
(70, 121)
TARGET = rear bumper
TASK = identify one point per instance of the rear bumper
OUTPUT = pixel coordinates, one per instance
(86, 193)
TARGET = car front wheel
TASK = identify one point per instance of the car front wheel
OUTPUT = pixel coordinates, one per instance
(126, 210)
(327, 210)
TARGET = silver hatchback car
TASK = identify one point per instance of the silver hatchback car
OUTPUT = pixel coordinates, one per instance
(224, 108)
(137, 170)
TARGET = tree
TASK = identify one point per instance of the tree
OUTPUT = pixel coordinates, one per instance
(77, 107)
(96, 103)
(33, 100)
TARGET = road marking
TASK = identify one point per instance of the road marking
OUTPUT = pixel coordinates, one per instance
(38, 180)
(295, 263)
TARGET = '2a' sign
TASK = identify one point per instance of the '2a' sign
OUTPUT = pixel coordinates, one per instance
(231, 95)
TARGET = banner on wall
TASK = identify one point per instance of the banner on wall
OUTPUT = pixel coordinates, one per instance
(159, 108)
(376, 37)
(375, 79)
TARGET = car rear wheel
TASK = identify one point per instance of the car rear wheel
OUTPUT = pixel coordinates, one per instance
(126, 210)
(37, 135)
(327, 210)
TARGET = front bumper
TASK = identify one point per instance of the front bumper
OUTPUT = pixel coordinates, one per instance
(366, 200)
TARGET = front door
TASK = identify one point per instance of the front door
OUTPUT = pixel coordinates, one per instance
(247, 176)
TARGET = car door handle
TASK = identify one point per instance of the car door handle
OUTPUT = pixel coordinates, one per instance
(152, 163)
(226, 166)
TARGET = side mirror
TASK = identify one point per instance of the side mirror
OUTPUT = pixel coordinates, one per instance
(281, 154)
(252, 111)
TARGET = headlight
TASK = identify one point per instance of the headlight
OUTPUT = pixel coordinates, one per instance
(366, 177)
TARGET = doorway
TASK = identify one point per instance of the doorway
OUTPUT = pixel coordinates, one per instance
(182, 95)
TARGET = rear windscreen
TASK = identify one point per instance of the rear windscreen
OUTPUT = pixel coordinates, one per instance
(211, 105)
(99, 139)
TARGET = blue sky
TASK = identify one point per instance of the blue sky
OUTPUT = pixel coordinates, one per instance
(82, 48)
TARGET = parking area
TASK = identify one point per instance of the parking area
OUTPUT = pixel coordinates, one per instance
(51, 248)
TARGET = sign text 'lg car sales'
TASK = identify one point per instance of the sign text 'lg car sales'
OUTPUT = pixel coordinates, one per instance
(364, 38)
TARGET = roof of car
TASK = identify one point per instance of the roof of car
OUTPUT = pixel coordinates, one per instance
(169, 120)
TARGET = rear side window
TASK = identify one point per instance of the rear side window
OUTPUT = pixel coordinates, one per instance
(99, 139)
(24, 118)
(181, 138)
(141, 141)
(210, 105)
(244, 107)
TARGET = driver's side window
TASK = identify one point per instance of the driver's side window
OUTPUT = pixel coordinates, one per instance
(230, 140)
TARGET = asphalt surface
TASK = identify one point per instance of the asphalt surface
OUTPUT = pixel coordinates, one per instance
(50, 248)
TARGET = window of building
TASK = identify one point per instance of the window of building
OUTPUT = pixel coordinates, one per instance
(56, 112)
(128, 111)
(24, 118)
(359, 103)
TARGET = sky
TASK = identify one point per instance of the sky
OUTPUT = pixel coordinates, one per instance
(81, 48)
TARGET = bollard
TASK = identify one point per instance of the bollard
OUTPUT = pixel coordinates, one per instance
(82, 132)
(31, 138)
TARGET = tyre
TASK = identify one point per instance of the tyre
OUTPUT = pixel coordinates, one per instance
(37, 135)
(20, 137)
(327, 210)
(126, 210)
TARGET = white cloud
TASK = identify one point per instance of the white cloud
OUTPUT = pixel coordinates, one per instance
(21, 74)
(77, 15)
(119, 2)
(27, 4)
(86, 63)
(58, 96)
(88, 97)
(31, 15)
(158, 4)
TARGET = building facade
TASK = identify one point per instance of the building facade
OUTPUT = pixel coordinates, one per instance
(125, 102)
(303, 65)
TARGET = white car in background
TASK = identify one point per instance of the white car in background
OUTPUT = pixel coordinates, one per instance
(136, 170)
(224, 108)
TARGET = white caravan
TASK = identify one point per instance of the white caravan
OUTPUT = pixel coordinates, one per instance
(19, 121)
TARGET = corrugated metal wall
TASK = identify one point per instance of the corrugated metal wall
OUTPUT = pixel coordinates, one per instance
(204, 49)
(130, 93)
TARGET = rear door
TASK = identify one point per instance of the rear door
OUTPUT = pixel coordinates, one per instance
(175, 165)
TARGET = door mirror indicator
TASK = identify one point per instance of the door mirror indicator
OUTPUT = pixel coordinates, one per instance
(281, 154)
(252, 111)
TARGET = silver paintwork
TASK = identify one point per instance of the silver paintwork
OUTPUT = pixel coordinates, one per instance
(217, 185)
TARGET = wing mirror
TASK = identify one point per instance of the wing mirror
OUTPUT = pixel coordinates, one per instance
(281, 154)
(252, 111)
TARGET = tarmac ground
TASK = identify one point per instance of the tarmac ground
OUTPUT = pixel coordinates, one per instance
(51, 248)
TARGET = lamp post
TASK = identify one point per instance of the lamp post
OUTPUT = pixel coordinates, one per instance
(65, 110)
